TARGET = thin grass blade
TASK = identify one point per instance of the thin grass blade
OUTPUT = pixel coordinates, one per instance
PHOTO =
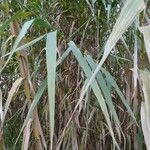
(36, 99)
(63, 57)
(106, 92)
(25, 45)
(18, 39)
(113, 83)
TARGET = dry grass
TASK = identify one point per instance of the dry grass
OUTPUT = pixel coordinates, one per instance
(80, 87)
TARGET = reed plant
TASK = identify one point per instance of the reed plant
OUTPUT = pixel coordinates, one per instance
(74, 75)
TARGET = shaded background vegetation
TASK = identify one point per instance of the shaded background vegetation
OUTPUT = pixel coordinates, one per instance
(88, 24)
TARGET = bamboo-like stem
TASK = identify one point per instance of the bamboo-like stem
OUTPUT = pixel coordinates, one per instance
(28, 87)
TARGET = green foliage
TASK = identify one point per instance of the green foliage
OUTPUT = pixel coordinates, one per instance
(81, 69)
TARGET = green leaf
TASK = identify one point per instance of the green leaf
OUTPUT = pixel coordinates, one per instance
(25, 45)
(51, 46)
(106, 92)
(39, 93)
(39, 22)
(130, 10)
(63, 57)
(18, 15)
(84, 65)
(22, 33)
(114, 84)
(36, 99)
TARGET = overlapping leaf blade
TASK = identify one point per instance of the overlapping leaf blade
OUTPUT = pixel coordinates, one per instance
(84, 65)
(130, 10)
(51, 47)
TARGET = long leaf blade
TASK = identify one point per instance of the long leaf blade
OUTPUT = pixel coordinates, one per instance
(51, 47)
(130, 10)
(84, 65)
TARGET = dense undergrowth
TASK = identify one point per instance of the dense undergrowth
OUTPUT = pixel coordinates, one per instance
(73, 74)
